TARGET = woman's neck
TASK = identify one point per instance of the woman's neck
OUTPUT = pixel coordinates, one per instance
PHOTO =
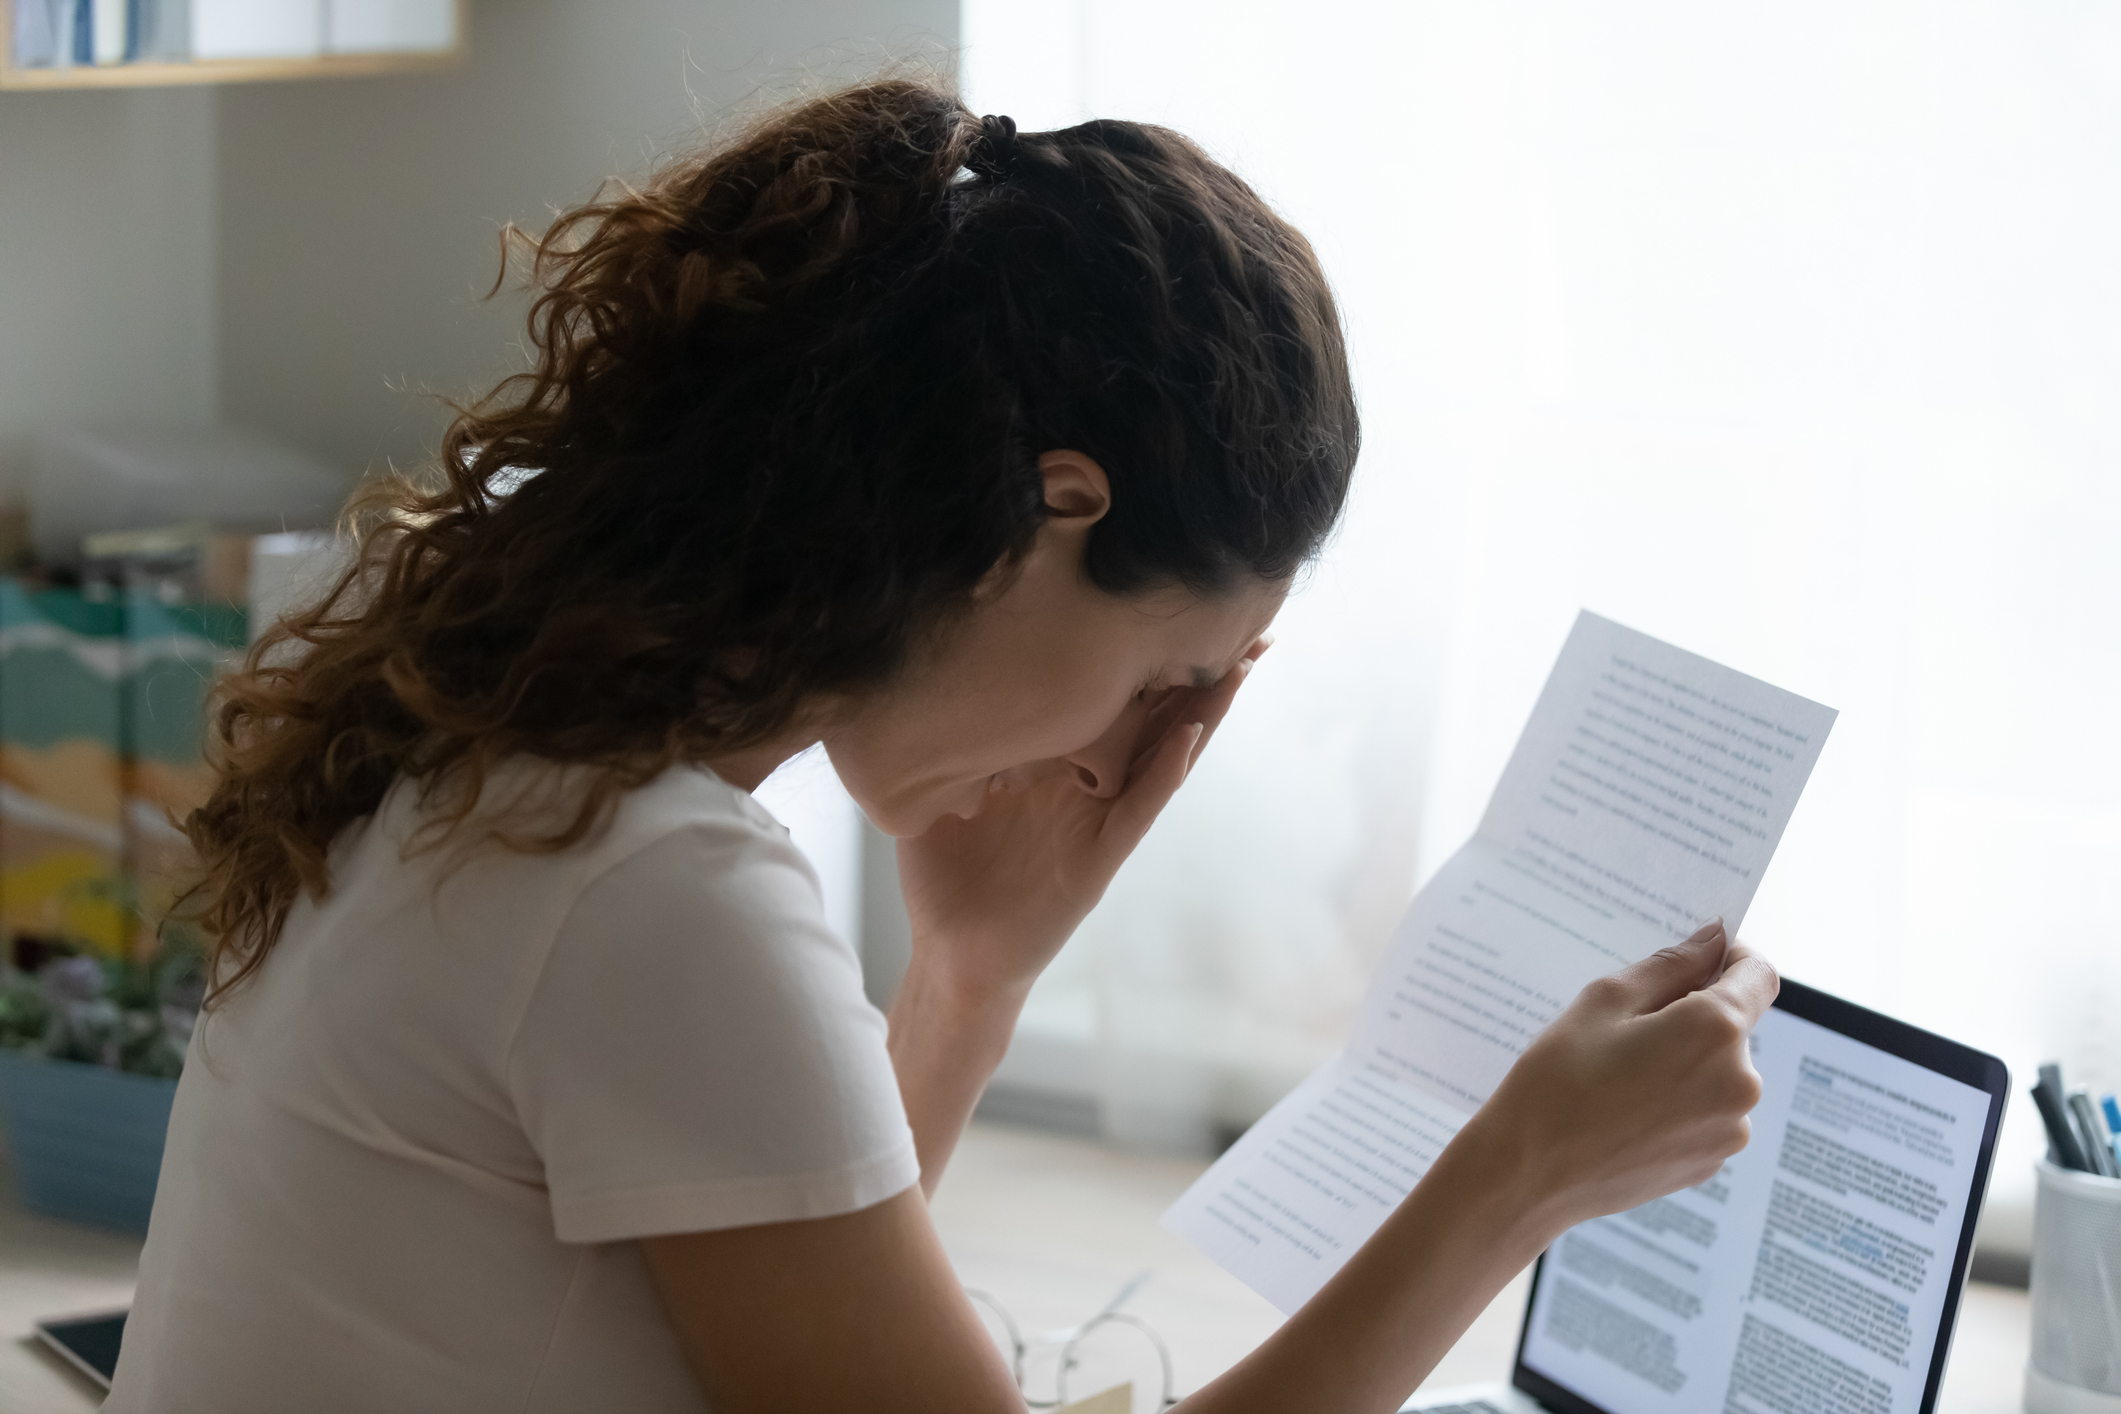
(748, 769)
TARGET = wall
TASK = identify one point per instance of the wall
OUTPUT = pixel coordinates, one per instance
(359, 218)
(308, 258)
(107, 214)
(1787, 334)
(359, 226)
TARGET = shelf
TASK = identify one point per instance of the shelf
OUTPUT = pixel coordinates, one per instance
(162, 75)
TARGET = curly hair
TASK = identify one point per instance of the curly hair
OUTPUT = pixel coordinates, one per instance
(784, 412)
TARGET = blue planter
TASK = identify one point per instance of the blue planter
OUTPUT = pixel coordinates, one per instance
(87, 1142)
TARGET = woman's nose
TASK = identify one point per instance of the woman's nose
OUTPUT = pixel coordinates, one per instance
(1101, 767)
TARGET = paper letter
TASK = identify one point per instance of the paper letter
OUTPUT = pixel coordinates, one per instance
(1646, 796)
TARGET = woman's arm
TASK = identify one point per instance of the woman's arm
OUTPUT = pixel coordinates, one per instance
(992, 899)
(864, 1311)
(1641, 1088)
(860, 1311)
(945, 1045)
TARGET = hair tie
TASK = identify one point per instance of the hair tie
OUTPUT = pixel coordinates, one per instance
(994, 153)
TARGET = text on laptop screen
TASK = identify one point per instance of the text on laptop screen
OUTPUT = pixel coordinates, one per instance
(1809, 1275)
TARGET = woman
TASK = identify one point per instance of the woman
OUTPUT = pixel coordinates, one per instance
(534, 1080)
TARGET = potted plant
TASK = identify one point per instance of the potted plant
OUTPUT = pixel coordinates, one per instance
(90, 1049)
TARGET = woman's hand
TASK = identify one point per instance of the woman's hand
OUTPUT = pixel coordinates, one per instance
(1643, 1085)
(992, 898)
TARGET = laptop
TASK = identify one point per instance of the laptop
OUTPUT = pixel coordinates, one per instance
(1820, 1270)
(88, 1343)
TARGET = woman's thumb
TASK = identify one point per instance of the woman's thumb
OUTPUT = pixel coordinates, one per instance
(1670, 973)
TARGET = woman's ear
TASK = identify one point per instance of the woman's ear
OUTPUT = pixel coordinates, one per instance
(1077, 497)
(1076, 488)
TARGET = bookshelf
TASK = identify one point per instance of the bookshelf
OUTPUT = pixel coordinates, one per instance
(347, 61)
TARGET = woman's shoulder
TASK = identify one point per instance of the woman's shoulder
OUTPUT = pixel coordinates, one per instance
(526, 830)
(685, 796)
(698, 825)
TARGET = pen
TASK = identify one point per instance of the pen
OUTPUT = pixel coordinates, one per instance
(2096, 1147)
(2054, 1113)
(2113, 1125)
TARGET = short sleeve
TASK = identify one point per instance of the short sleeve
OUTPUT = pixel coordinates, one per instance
(698, 1052)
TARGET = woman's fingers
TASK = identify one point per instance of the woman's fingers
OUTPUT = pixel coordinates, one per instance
(1215, 704)
(1670, 973)
(1749, 983)
(1203, 711)
(1206, 706)
(1150, 789)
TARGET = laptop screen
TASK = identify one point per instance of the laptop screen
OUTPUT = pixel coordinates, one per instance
(1818, 1271)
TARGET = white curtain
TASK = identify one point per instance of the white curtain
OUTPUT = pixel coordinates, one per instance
(1789, 333)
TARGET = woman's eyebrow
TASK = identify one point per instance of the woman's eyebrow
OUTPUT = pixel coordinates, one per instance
(1205, 677)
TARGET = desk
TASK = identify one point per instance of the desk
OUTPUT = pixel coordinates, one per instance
(1051, 1226)
(52, 1269)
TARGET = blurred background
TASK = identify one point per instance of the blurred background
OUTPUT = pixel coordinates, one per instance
(1790, 334)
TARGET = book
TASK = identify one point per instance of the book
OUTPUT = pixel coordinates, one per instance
(44, 33)
(109, 30)
(161, 31)
(62, 845)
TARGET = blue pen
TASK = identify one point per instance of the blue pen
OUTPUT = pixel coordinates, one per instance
(2113, 1123)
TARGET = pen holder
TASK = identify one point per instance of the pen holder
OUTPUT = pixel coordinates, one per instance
(2076, 1355)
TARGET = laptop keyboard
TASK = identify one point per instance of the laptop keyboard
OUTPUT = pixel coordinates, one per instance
(1478, 1406)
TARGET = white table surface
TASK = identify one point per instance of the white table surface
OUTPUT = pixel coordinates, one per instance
(1051, 1226)
(52, 1269)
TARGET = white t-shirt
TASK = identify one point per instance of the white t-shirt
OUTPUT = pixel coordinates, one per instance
(407, 1158)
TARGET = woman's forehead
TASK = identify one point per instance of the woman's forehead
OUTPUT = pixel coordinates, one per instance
(1210, 632)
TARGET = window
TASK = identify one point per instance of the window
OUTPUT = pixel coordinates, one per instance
(1790, 334)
